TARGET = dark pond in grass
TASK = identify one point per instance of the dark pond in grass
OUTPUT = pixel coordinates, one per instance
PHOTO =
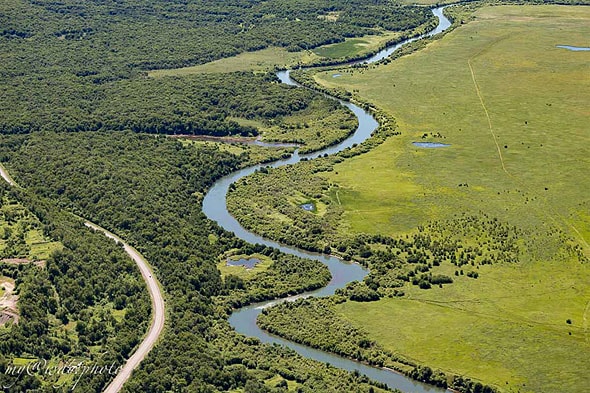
(308, 207)
(430, 145)
(574, 48)
(247, 263)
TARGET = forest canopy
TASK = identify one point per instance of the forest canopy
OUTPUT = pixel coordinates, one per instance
(77, 65)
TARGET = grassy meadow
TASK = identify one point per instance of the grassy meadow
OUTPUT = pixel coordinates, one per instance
(242, 271)
(270, 58)
(529, 167)
(514, 109)
(355, 46)
(261, 60)
(507, 328)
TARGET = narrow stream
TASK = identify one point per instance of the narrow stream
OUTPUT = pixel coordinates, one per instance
(215, 208)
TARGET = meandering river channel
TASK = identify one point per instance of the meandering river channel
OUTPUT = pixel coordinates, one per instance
(215, 207)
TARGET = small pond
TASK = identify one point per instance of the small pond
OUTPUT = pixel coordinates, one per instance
(308, 207)
(336, 75)
(430, 145)
(574, 48)
(247, 263)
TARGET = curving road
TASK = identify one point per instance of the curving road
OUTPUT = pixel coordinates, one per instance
(158, 306)
(6, 176)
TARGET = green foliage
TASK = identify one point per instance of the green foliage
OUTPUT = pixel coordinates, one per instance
(464, 242)
(315, 323)
(287, 275)
(80, 65)
(425, 374)
(147, 189)
(275, 214)
(51, 297)
(144, 189)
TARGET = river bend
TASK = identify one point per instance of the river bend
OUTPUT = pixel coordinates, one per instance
(215, 208)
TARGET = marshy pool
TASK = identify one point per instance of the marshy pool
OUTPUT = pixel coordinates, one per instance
(247, 263)
(430, 145)
(574, 48)
(308, 207)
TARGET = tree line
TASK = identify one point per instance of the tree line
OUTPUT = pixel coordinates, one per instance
(50, 298)
(146, 189)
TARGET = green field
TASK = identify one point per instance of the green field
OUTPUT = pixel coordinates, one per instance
(261, 60)
(514, 109)
(355, 46)
(242, 271)
(507, 328)
(270, 58)
(536, 97)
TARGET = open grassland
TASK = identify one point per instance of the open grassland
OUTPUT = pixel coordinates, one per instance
(241, 271)
(270, 58)
(356, 46)
(507, 328)
(426, 2)
(261, 60)
(514, 109)
(527, 162)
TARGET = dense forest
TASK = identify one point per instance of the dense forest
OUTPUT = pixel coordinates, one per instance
(70, 66)
(59, 317)
(147, 189)
(80, 65)
(196, 104)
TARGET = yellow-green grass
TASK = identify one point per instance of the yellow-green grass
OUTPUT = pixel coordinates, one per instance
(356, 46)
(427, 2)
(262, 60)
(537, 98)
(41, 248)
(299, 198)
(508, 327)
(510, 324)
(255, 153)
(23, 361)
(272, 382)
(242, 271)
(48, 378)
(271, 58)
(118, 314)
(22, 222)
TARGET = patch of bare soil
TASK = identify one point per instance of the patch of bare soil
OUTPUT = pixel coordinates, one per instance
(8, 303)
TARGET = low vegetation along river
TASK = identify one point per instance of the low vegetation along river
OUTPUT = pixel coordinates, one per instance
(215, 207)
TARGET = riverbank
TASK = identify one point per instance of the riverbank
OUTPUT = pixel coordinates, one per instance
(244, 320)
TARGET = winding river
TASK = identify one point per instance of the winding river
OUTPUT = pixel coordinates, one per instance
(215, 208)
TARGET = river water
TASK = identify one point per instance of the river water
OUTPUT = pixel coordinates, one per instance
(215, 208)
